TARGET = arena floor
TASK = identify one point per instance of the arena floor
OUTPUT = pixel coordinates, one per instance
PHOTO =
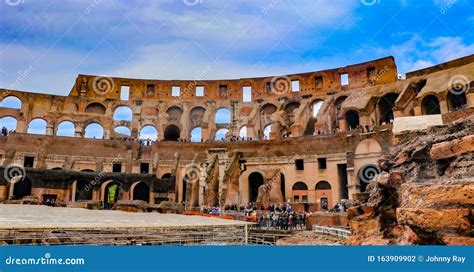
(33, 216)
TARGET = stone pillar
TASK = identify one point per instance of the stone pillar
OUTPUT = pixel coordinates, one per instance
(443, 106)
(79, 131)
(352, 186)
(470, 99)
(418, 111)
(185, 131)
(49, 129)
(21, 126)
(342, 125)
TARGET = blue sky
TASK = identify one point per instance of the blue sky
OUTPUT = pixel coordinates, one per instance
(45, 44)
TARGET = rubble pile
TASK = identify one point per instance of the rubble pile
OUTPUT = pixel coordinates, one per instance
(425, 192)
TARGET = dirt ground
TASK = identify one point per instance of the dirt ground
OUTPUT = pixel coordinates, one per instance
(310, 238)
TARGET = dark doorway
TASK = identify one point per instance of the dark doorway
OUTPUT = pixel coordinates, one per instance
(117, 167)
(172, 133)
(141, 192)
(184, 189)
(111, 194)
(22, 188)
(430, 105)
(255, 181)
(456, 101)
(49, 200)
(352, 119)
(83, 190)
(282, 186)
(29, 161)
(144, 168)
(386, 105)
(342, 176)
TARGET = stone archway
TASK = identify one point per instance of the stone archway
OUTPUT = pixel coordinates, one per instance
(172, 133)
(140, 191)
(21, 188)
(110, 193)
(324, 195)
(300, 192)
(255, 181)
(430, 105)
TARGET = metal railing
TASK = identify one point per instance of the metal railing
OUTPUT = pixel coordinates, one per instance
(339, 232)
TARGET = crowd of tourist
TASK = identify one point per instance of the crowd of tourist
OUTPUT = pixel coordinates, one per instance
(6, 132)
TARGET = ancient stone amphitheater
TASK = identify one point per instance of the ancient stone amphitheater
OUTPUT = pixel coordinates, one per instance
(313, 139)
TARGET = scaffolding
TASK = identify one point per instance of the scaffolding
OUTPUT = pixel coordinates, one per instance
(183, 235)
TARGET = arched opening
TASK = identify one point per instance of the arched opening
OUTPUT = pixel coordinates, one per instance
(223, 116)
(174, 113)
(94, 131)
(337, 109)
(66, 129)
(221, 134)
(184, 189)
(243, 132)
(324, 195)
(456, 101)
(291, 107)
(196, 116)
(430, 105)
(196, 135)
(22, 188)
(148, 132)
(172, 133)
(266, 112)
(316, 107)
(111, 194)
(9, 122)
(141, 192)
(37, 126)
(266, 132)
(166, 176)
(56, 168)
(282, 186)
(123, 113)
(95, 108)
(83, 190)
(385, 106)
(300, 192)
(352, 119)
(11, 102)
(123, 131)
(255, 181)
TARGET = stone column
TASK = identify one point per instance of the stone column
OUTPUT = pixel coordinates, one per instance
(418, 111)
(443, 106)
(186, 131)
(352, 186)
(49, 129)
(470, 99)
(78, 131)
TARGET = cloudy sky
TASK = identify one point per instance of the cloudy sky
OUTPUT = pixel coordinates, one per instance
(45, 44)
